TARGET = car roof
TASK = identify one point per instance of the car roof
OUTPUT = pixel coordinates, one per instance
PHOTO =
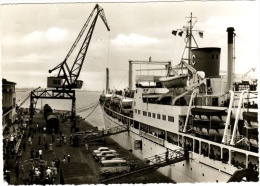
(103, 148)
(113, 161)
(107, 155)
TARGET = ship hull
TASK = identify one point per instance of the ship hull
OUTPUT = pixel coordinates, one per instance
(190, 171)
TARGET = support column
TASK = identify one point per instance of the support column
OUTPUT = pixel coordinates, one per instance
(230, 69)
(31, 109)
(130, 75)
(107, 80)
(73, 109)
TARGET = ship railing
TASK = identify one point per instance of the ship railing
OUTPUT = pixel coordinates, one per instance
(152, 137)
(237, 139)
(188, 112)
(121, 118)
(115, 129)
(224, 139)
(234, 134)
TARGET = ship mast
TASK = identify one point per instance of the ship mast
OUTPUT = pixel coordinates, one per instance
(189, 38)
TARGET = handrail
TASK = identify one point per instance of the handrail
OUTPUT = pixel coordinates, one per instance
(232, 142)
(188, 113)
(224, 139)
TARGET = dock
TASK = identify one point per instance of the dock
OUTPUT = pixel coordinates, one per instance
(82, 168)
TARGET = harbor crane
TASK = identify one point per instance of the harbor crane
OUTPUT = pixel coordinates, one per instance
(64, 84)
(250, 70)
(68, 78)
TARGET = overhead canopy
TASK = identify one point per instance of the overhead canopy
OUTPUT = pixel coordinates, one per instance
(208, 112)
(250, 116)
(51, 116)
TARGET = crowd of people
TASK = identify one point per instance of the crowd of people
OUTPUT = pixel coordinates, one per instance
(33, 169)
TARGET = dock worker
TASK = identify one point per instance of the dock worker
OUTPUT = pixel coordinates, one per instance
(32, 152)
(39, 140)
(86, 145)
(40, 153)
(48, 172)
(71, 139)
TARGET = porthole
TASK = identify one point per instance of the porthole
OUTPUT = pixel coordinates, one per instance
(190, 168)
(202, 174)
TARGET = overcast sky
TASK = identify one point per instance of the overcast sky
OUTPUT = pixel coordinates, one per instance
(37, 37)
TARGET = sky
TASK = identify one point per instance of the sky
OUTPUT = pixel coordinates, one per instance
(37, 37)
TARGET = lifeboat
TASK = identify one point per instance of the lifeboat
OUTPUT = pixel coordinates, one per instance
(174, 81)
(250, 130)
(126, 106)
(209, 121)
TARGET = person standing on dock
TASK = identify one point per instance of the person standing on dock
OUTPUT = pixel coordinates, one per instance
(46, 146)
(71, 139)
(36, 153)
(24, 145)
(39, 139)
(40, 153)
(167, 155)
(17, 170)
(68, 157)
(53, 136)
(44, 138)
(32, 152)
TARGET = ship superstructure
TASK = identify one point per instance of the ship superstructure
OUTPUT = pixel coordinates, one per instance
(193, 107)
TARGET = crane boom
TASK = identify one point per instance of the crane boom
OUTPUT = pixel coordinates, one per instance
(250, 70)
(27, 97)
(70, 76)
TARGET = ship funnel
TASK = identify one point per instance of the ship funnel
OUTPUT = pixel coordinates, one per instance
(230, 31)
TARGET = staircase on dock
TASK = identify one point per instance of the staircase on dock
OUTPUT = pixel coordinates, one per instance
(154, 162)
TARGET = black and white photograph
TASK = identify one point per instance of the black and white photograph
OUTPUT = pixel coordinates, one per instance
(129, 92)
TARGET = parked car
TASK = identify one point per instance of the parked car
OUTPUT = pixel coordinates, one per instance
(108, 157)
(111, 157)
(103, 154)
(83, 133)
(89, 136)
(100, 149)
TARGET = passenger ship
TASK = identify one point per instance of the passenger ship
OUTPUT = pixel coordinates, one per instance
(193, 107)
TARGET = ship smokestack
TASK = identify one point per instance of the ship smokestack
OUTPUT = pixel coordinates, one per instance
(230, 31)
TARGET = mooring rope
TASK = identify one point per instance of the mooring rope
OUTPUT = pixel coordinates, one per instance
(86, 107)
(90, 112)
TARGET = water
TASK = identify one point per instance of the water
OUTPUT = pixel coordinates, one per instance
(83, 99)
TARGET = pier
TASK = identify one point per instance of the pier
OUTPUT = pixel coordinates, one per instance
(81, 167)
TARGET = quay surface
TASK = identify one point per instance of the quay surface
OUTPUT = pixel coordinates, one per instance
(82, 169)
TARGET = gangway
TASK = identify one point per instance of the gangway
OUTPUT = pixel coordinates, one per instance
(239, 175)
(154, 162)
(104, 134)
